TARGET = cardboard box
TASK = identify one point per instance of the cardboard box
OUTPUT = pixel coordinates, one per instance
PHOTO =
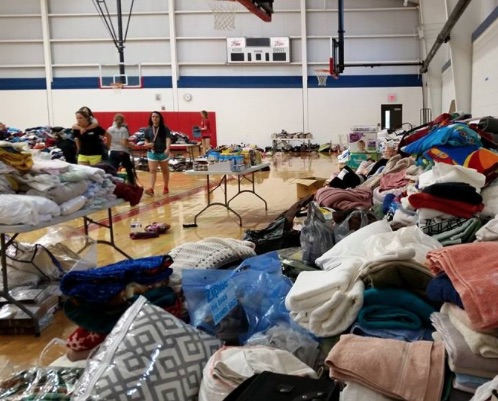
(362, 142)
(308, 186)
(355, 159)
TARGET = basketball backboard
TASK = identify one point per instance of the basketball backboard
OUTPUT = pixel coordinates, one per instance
(262, 9)
(110, 74)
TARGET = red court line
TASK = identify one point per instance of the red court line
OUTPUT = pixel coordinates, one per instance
(135, 211)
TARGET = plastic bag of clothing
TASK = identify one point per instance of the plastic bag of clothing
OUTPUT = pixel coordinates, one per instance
(41, 383)
(317, 234)
(29, 264)
(354, 221)
(73, 249)
(235, 304)
(276, 235)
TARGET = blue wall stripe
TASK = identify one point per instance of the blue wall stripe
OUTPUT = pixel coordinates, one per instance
(76, 83)
(265, 82)
(485, 24)
(22, 83)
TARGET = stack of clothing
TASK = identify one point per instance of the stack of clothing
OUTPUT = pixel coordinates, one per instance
(468, 321)
(327, 302)
(448, 203)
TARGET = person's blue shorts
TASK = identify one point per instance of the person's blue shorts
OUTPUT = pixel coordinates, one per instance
(157, 157)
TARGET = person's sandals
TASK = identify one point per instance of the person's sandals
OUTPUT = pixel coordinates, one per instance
(149, 191)
(158, 228)
(165, 190)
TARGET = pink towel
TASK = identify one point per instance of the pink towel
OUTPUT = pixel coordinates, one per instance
(473, 272)
(401, 370)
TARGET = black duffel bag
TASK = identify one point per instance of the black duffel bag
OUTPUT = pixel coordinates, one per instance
(269, 386)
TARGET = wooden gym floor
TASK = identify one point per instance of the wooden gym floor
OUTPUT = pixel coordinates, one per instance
(187, 196)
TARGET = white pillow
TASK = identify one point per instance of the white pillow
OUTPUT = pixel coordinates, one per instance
(149, 355)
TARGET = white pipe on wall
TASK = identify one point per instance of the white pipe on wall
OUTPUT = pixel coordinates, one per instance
(47, 55)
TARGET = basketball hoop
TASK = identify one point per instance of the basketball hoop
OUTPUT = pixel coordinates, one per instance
(116, 87)
(224, 14)
(321, 76)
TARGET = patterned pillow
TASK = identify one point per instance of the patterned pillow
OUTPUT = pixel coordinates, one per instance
(149, 355)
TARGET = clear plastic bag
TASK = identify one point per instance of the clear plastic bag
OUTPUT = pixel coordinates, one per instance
(235, 304)
(72, 248)
(317, 234)
(356, 219)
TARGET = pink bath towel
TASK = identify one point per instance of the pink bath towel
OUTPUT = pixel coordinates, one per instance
(473, 271)
(401, 370)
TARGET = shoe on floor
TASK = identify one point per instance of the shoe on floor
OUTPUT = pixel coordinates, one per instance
(149, 192)
(165, 190)
(157, 228)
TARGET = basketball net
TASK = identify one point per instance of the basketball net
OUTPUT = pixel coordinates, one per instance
(116, 87)
(224, 14)
(321, 76)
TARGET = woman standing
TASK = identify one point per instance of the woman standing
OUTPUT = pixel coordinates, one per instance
(158, 142)
(89, 142)
(205, 131)
(120, 149)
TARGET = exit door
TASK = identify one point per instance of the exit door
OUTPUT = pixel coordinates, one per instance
(391, 116)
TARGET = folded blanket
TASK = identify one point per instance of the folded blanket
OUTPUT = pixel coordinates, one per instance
(230, 366)
(452, 207)
(344, 199)
(459, 191)
(475, 282)
(460, 358)
(395, 163)
(101, 284)
(406, 371)
(240, 363)
(442, 172)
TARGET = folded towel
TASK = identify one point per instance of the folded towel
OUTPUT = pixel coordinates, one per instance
(482, 344)
(460, 358)
(393, 334)
(356, 392)
(475, 282)
(403, 274)
(334, 316)
(487, 390)
(407, 371)
(312, 288)
(441, 289)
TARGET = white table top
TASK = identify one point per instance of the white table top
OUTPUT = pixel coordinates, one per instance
(228, 172)
(24, 228)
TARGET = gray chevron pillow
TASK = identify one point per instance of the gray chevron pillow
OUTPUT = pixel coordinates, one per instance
(149, 355)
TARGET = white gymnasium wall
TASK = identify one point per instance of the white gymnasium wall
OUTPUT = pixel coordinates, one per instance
(448, 90)
(76, 42)
(242, 115)
(485, 73)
